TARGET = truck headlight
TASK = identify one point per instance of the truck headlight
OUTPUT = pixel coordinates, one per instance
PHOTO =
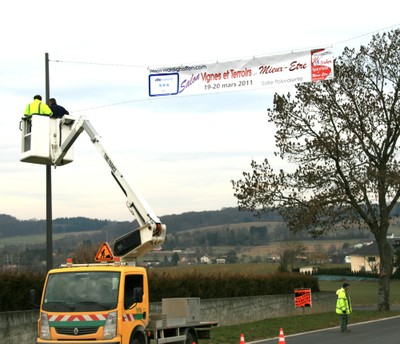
(44, 326)
(110, 327)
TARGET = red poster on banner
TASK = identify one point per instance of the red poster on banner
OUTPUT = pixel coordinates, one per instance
(321, 64)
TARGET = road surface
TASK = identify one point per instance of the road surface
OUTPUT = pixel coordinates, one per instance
(384, 331)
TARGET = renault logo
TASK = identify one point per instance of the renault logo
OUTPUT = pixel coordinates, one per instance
(76, 331)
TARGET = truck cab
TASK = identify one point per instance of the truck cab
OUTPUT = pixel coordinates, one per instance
(106, 302)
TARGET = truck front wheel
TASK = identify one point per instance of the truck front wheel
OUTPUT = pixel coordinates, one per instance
(191, 336)
(138, 338)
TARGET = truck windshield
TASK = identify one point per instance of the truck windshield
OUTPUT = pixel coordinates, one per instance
(81, 291)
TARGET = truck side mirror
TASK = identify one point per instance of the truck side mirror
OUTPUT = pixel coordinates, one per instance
(137, 294)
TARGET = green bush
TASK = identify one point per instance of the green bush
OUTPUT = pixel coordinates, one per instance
(217, 285)
(15, 290)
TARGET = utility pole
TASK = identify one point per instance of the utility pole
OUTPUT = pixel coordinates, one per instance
(49, 215)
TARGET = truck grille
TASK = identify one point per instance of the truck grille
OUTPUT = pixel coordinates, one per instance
(77, 331)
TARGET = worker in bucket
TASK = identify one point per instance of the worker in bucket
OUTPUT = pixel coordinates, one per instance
(37, 107)
(58, 110)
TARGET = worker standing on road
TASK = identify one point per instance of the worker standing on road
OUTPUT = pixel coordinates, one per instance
(343, 306)
(37, 107)
(58, 110)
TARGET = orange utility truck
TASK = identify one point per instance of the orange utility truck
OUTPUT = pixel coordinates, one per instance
(106, 302)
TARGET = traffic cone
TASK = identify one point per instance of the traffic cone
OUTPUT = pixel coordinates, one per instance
(242, 339)
(281, 337)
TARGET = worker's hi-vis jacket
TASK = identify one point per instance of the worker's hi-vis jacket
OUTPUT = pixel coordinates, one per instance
(37, 108)
(343, 303)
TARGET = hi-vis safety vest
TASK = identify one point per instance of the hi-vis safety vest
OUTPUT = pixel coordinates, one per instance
(37, 108)
(343, 303)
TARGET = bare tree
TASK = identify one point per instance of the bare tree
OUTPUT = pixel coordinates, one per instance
(342, 138)
(373, 264)
(85, 252)
(289, 252)
(318, 256)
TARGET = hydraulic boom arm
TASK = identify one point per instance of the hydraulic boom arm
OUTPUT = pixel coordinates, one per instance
(151, 232)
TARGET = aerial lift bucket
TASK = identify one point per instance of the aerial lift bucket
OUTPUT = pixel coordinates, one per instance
(41, 135)
(139, 241)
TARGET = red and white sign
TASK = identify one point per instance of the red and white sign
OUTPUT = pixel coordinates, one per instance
(321, 65)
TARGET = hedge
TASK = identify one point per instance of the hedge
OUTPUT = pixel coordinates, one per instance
(15, 288)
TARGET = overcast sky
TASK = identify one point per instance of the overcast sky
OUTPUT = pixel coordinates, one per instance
(181, 153)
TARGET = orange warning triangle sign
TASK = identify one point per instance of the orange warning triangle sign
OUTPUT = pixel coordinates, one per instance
(104, 254)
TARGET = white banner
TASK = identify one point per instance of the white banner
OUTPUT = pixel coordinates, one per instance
(238, 75)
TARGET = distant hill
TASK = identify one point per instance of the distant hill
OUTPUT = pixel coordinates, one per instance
(227, 226)
(11, 226)
(225, 216)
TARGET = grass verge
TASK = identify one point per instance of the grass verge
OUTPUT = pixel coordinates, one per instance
(269, 328)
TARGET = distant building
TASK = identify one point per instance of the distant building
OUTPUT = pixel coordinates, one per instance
(308, 270)
(205, 260)
(274, 257)
(367, 258)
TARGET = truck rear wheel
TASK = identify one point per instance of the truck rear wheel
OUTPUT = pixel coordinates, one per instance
(191, 336)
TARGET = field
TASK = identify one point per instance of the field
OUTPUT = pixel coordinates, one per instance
(364, 293)
(310, 246)
(37, 238)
